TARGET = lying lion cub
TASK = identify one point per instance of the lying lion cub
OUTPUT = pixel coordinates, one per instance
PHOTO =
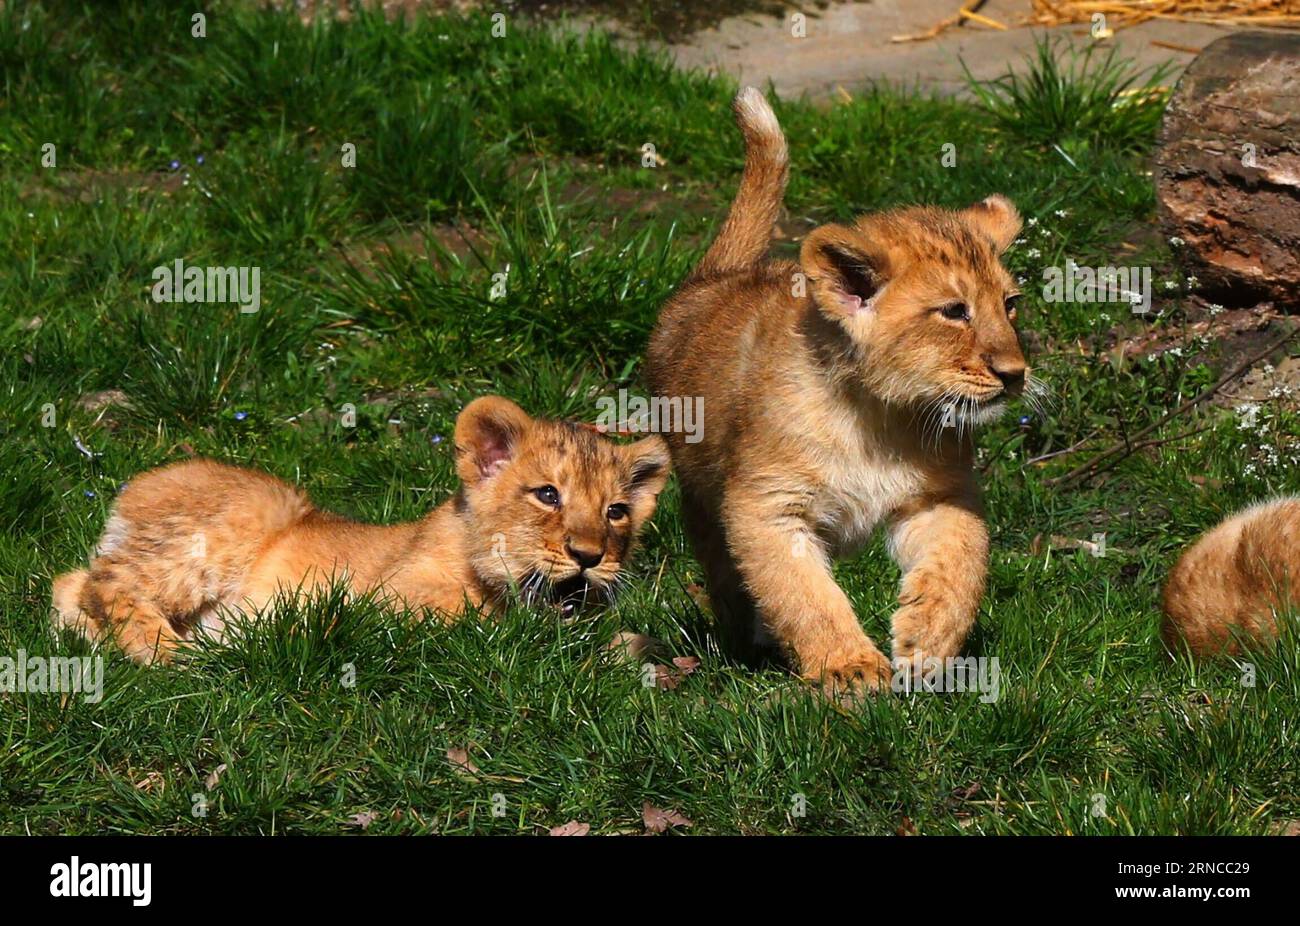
(841, 391)
(544, 506)
(1234, 581)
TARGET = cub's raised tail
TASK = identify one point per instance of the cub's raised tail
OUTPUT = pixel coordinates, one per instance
(743, 239)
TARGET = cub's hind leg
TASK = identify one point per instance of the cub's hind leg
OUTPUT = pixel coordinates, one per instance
(119, 602)
(67, 613)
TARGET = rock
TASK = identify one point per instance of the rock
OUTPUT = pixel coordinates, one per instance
(1228, 169)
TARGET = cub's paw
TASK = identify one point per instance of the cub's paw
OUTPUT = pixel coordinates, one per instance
(919, 634)
(852, 681)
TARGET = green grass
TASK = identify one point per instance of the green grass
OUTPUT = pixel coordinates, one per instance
(478, 156)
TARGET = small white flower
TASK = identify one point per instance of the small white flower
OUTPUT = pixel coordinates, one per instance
(1176, 241)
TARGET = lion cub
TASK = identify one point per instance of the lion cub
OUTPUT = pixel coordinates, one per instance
(545, 506)
(1234, 579)
(841, 392)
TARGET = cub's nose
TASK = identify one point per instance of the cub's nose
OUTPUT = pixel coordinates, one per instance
(585, 557)
(1011, 374)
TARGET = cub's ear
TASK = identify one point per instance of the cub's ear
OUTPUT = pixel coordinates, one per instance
(651, 464)
(995, 217)
(845, 269)
(488, 431)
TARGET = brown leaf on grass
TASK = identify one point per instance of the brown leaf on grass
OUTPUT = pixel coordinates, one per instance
(667, 678)
(905, 827)
(462, 763)
(150, 781)
(363, 819)
(961, 795)
(105, 398)
(214, 776)
(659, 821)
(1057, 542)
(572, 828)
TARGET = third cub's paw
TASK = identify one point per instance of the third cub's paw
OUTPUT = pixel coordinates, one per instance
(854, 680)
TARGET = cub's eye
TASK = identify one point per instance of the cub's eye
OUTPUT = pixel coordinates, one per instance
(957, 312)
(1013, 302)
(616, 512)
(548, 495)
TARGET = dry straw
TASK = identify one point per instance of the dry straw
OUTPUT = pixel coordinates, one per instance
(1120, 13)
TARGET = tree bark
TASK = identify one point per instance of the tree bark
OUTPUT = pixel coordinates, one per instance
(1228, 169)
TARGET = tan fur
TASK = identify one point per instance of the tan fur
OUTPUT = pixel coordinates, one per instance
(189, 543)
(1234, 580)
(824, 385)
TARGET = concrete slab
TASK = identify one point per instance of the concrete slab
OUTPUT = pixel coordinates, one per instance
(849, 45)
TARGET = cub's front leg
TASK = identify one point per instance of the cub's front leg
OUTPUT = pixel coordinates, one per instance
(942, 546)
(787, 570)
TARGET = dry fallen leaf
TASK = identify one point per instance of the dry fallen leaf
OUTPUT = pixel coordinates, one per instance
(659, 821)
(460, 760)
(105, 398)
(905, 828)
(572, 828)
(667, 678)
(150, 781)
(363, 819)
(700, 596)
(213, 777)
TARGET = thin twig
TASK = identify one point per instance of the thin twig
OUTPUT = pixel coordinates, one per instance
(1090, 468)
(1142, 445)
(1073, 448)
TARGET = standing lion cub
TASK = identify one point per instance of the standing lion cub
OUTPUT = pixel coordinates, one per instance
(841, 391)
(1235, 580)
(543, 506)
